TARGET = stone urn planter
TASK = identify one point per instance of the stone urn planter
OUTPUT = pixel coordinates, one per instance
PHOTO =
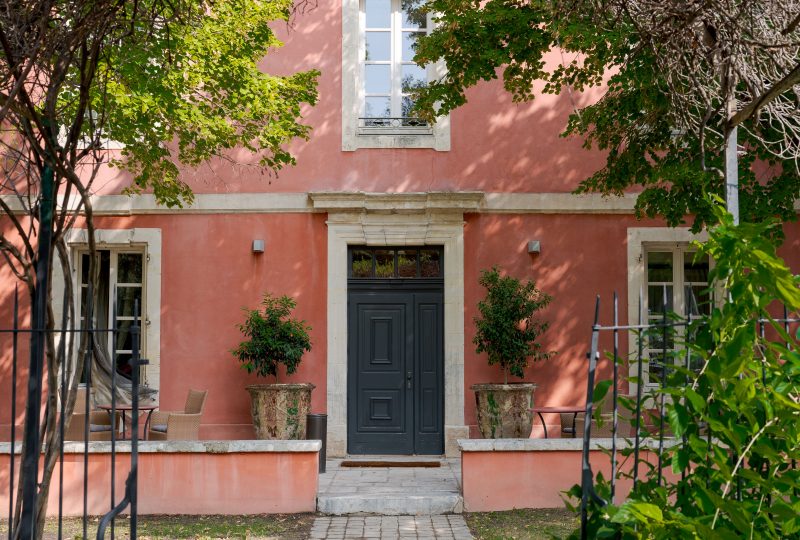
(279, 410)
(504, 410)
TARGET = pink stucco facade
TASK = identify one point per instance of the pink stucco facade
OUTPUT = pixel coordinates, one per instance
(510, 154)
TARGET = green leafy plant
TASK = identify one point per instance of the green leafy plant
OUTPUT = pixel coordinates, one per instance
(274, 338)
(737, 417)
(507, 329)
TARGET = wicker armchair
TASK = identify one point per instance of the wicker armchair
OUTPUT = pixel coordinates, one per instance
(568, 421)
(99, 421)
(179, 425)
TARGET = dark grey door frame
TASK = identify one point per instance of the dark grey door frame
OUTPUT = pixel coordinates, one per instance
(412, 383)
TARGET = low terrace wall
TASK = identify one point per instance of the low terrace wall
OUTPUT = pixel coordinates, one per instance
(187, 477)
(503, 474)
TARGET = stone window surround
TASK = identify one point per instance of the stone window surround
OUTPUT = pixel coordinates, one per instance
(396, 219)
(150, 241)
(438, 136)
(638, 240)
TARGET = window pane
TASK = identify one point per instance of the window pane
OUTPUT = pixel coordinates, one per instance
(378, 46)
(698, 299)
(407, 105)
(414, 77)
(123, 340)
(377, 107)
(655, 299)
(659, 266)
(413, 14)
(362, 263)
(379, 13)
(377, 79)
(430, 263)
(124, 364)
(655, 370)
(410, 45)
(85, 268)
(129, 268)
(695, 272)
(384, 263)
(407, 263)
(126, 296)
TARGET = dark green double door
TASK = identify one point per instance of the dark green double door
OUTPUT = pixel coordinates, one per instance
(395, 368)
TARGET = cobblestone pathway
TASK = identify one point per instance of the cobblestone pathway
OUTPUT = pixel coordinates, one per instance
(452, 527)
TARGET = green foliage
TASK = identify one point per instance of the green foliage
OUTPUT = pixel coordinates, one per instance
(739, 414)
(507, 329)
(633, 121)
(273, 338)
(192, 90)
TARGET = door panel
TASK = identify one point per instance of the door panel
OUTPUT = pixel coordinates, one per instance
(395, 372)
(379, 406)
(429, 410)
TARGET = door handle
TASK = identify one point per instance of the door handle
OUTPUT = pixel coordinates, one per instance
(409, 379)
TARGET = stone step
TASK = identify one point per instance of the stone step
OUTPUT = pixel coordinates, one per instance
(390, 504)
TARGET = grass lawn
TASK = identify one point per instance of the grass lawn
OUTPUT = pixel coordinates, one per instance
(274, 526)
(529, 524)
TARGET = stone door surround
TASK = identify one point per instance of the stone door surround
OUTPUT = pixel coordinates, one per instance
(397, 219)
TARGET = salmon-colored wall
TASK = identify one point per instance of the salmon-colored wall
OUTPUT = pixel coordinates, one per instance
(188, 483)
(581, 256)
(497, 481)
(496, 145)
(209, 273)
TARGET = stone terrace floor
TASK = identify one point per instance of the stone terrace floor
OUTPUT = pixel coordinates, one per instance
(394, 491)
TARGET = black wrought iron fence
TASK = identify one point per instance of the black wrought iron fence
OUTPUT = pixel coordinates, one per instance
(647, 425)
(25, 487)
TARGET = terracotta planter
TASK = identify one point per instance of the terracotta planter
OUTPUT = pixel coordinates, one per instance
(504, 410)
(279, 410)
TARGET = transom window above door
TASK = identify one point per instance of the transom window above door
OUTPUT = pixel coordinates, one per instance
(395, 262)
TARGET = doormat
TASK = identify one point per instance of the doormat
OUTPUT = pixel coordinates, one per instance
(428, 464)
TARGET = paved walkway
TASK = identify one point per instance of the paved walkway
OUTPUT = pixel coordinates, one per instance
(451, 527)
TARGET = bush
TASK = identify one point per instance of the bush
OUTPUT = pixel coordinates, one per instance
(507, 330)
(737, 417)
(274, 338)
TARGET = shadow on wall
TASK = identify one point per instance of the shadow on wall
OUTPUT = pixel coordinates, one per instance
(496, 145)
(581, 256)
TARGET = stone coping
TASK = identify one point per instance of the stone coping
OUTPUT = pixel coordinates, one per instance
(185, 447)
(553, 445)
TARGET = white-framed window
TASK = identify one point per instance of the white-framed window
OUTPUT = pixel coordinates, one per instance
(642, 243)
(121, 288)
(379, 75)
(676, 281)
(123, 246)
(390, 30)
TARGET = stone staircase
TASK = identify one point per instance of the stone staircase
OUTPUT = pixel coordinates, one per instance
(391, 491)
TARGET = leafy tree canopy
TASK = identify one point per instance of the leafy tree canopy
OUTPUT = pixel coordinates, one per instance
(194, 90)
(669, 148)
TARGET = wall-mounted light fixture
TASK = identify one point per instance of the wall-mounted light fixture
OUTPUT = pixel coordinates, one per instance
(534, 246)
(258, 246)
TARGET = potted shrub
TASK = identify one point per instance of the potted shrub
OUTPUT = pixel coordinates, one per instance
(273, 339)
(507, 331)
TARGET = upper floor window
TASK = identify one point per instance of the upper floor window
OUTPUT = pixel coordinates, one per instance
(379, 76)
(391, 29)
